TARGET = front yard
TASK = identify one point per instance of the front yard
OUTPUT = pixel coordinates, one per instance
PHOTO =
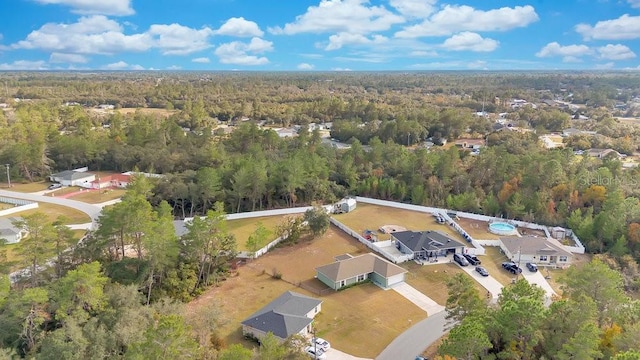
(493, 260)
(361, 320)
(431, 280)
(52, 212)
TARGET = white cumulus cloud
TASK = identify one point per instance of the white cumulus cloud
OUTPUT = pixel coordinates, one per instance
(305, 66)
(352, 16)
(121, 65)
(201, 60)
(339, 40)
(24, 65)
(454, 18)
(92, 7)
(240, 53)
(89, 35)
(470, 41)
(623, 28)
(67, 58)
(616, 52)
(570, 53)
(414, 8)
(176, 39)
(239, 27)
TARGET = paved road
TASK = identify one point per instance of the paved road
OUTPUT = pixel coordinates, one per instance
(92, 210)
(413, 341)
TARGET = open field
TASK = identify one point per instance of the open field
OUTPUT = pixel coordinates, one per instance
(53, 211)
(64, 191)
(371, 217)
(431, 280)
(360, 320)
(147, 111)
(99, 196)
(242, 228)
(27, 187)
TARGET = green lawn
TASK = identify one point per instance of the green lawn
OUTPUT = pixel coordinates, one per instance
(242, 228)
(492, 261)
(431, 280)
(27, 187)
(52, 212)
(99, 196)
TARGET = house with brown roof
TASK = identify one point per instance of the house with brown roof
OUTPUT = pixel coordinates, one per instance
(539, 250)
(348, 270)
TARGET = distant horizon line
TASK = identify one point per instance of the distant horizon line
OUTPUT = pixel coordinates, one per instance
(633, 70)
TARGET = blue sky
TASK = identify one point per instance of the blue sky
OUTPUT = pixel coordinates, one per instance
(320, 35)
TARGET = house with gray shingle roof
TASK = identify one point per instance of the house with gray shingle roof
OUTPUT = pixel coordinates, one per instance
(289, 314)
(348, 270)
(9, 232)
(426, 244)
(539, 250)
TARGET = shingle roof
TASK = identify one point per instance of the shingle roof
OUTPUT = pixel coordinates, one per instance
(426, 240)
(284, 316)
(532, 245)
(7, 227)
(363, 264)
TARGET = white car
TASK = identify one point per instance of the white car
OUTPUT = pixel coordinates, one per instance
(311, 351)
(322, 344)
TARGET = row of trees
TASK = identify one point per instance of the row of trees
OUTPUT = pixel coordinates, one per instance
(594, 320)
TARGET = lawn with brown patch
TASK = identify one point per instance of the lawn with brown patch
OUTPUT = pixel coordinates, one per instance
(431, 280)
(361, 320)
(52, 212)
(477, 229)
(371, 217)
(242, 228)
(492, 261)
(99, 196)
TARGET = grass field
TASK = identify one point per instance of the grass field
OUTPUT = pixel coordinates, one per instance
(52, 212)
(371, 217)
(431, 280)
(360, 320)
(99, 196)
(26, 188)
(492, 261)
(242, 228)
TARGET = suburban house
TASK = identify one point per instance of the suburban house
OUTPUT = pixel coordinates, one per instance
(289, 314)
(73, 178)
(425, 244)
(10, 233)
(111, 181)
(470, 143)
(603, 153)
(348, 270)
(536, 249)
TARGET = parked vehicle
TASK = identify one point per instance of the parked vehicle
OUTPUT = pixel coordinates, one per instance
(54, 186)
(512, 267)
(461, 260)
(532, 267)
(322, 344)
(472, 259)
(311, 351)
(482, 271)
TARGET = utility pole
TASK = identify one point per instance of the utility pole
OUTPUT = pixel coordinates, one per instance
(519, 257)
(315, 345)
(8, 177)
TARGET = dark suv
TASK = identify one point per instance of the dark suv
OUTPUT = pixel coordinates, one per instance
(472, 259)
(461, 260)
(511, 267)
(532, 267)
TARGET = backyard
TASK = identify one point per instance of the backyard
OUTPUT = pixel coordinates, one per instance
(477, 229)
(372, 217)
(360, 320)
(242, 228)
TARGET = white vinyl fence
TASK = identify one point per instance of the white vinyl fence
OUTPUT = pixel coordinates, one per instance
(19, 205)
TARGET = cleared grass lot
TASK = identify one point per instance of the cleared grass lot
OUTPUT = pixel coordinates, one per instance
(99, 196)
(361, 320)
(243, 228)
(371, 217)
(26, 188)
(52, 212)
(431, 280)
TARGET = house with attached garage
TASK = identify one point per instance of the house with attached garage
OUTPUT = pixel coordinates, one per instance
(289, 314)
(540, 250)
(348, 270)
(426, 244)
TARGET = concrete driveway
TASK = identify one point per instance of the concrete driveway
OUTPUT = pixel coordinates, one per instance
(489, 282)
(419, 299)
(536, 278)
(335, 354)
